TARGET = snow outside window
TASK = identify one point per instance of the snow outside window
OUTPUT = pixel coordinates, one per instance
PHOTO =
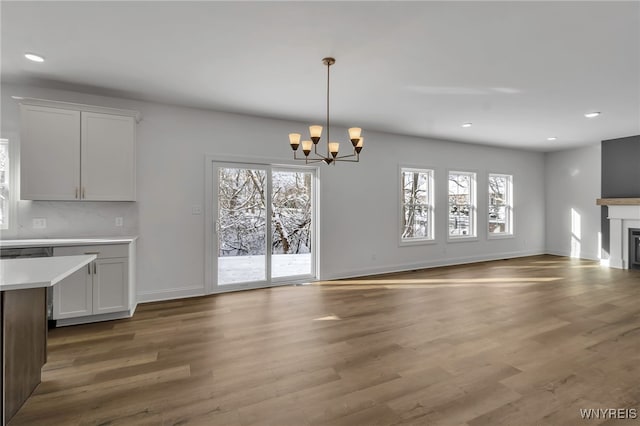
(500, 204)
(417, 204)
(462, 205)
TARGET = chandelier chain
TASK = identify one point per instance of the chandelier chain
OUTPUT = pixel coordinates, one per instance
(328, 139)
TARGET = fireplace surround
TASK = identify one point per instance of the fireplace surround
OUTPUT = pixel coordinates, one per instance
(624, 222)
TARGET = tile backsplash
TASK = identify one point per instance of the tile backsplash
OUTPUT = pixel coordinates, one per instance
(73, 219)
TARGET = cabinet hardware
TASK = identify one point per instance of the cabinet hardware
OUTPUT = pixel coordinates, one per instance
(95, 268)
(89, 268)
(76, 192)
(92, 252)
(83, 196)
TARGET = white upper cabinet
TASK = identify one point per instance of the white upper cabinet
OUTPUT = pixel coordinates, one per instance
(108, 157)
(49, 153)
(76, 152)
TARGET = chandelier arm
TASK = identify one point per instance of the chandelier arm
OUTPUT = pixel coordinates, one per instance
(355, 154)
(314, 161)
(319, 157)
(357, 160)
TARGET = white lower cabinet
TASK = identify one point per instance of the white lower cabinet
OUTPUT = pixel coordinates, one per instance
(102, 287)
(110, 286)
(73, 297)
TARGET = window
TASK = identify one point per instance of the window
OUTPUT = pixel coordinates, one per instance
(417, 204)
(500, 205)
(4, 184)
(462, 205)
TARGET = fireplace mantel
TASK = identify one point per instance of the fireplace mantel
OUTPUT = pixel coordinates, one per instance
(618, 201)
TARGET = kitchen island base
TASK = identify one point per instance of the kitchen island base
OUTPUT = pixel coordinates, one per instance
(24, 345)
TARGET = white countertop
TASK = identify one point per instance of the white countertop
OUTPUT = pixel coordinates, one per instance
(57, 242)
(18, 274)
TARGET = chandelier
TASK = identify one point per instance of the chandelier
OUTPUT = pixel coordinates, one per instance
(315, 132)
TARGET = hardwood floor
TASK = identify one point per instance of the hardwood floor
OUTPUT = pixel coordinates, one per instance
(519, 342)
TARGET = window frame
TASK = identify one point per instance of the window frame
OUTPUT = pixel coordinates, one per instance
(510, 232)
(473, 207)
(431, 209)
(13, 187)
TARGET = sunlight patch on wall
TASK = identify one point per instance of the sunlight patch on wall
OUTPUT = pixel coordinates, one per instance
(576, 234)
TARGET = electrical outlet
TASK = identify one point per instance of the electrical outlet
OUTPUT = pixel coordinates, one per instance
(119, 221)
(39, 223)
(196, 209)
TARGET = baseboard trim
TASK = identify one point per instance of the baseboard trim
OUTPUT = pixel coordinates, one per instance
(94, 318)
(432, 264)
(170, 294)
(196, 291)
(585, 256)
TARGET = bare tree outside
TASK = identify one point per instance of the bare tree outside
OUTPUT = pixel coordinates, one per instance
(416, 204)
(460, 206)
(498, 204)
(242, 224)
(4, 183)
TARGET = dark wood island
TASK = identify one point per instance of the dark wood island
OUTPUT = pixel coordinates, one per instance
(23, 328)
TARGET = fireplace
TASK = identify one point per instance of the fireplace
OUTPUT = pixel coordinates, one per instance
(624, 230)
(634, 248)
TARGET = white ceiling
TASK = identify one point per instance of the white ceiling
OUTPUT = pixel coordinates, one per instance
(520, 71)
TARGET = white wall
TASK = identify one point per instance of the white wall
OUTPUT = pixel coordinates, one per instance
(572, 185)
(358, 213)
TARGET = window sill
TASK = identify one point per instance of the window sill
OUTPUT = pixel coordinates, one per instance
(500, 236)
(417, 242)
(462, 239)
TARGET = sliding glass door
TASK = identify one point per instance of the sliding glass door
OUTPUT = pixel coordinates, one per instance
(241, 225)
(263, 221)
(291, 201)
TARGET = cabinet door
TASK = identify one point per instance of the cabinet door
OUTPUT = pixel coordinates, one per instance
(73, 296)
(108, 157)
(111, 286)
(49, 153)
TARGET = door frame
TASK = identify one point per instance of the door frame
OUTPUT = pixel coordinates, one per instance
(211, 205)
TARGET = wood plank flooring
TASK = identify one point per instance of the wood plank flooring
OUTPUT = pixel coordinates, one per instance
(526, 341)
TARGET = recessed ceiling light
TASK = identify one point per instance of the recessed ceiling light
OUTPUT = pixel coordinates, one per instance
(33, 57)
(592, 114)
(552, 138)
(466, 125)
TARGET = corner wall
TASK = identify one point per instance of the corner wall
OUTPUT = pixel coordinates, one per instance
(572, 185)
(359, 212)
